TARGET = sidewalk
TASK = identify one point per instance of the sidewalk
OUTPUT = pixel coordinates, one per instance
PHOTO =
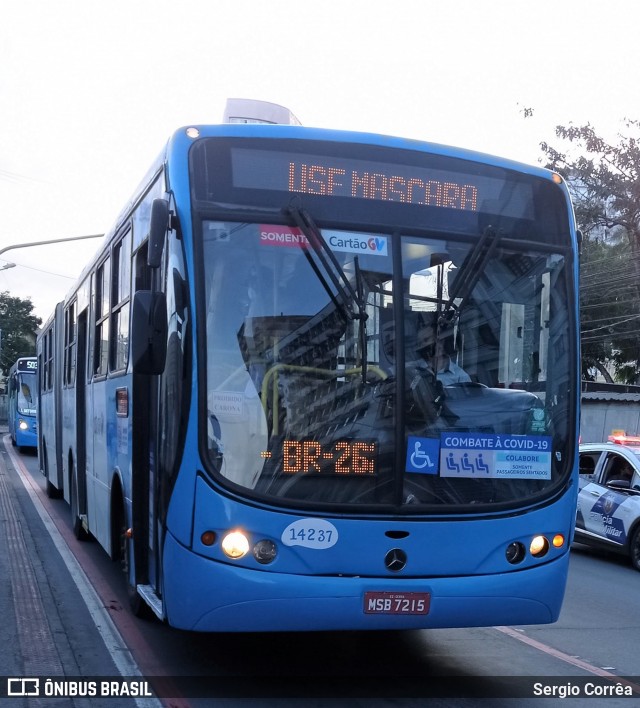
(47, 629)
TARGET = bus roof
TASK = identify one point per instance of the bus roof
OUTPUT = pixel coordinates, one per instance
(256, 130)
(183, 136)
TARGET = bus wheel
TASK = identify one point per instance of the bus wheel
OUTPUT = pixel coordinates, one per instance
(78, 529)
(52, 492)
(634, 548)
(137, 605)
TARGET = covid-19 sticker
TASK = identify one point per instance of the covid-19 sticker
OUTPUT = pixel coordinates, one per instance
(480, 455)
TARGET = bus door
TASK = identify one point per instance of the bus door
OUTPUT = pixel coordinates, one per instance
(78, 476)
(144, 427)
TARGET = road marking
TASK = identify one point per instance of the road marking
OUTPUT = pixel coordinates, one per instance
(120, 654)
(573, 660)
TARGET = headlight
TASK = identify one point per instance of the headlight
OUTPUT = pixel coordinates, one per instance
(539, 546)
(235, 544)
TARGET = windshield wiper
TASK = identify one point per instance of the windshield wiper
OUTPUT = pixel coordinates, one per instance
(330, 265)
(470, 271)
(466, 280)
(363, 317)
(473, 266)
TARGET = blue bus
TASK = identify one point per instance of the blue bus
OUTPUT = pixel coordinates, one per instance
(323, 380)
(22, 402)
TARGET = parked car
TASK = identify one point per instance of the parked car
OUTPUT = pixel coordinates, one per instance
(608, 513)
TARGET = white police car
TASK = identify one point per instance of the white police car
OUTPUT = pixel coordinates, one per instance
(608, 513)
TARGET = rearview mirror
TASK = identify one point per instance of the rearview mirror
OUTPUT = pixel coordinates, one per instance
(619, 484)
(158, 227)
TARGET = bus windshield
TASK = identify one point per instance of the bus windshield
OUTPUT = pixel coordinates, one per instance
(432, 373)
(26, 393)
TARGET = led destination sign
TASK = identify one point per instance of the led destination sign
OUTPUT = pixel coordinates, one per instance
(27, 365)
(337, 182)
(345, 457)
(330, 176)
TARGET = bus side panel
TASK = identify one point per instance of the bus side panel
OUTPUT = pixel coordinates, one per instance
(110, 445)
(49, 352)
(56, 473)
(11, 418)
(11, 404)
(96, 468)
(47, 437)
(68, 437)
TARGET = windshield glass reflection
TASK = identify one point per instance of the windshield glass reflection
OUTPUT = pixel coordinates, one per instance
(339, 388)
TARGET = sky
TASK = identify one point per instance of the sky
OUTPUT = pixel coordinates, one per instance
(90, 92)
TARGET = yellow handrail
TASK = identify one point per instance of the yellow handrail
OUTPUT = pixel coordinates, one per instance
(304, 369)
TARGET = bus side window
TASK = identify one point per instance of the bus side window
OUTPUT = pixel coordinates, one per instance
(101, 302)
(142, 270)
(120, 291)
(69, 375)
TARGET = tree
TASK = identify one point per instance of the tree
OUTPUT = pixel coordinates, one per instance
(604, 181)
(608, 310)
(18, 326)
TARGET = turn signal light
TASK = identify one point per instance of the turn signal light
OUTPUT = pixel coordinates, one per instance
(208, 538)
(558, 540)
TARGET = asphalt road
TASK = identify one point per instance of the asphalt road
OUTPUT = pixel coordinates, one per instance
(596, 639)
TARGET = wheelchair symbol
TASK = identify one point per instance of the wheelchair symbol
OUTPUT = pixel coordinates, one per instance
(419, 458)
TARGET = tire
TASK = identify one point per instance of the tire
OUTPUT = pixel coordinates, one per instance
(634, 548)
(76, 522)
(52, 492)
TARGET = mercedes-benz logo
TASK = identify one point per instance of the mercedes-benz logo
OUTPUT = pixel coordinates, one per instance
(395, 560)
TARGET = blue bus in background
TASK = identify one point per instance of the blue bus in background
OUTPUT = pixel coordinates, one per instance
(22, 402)
(323, 380)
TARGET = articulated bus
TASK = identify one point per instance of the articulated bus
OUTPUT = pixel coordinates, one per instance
(323, 380)
(21, 402)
